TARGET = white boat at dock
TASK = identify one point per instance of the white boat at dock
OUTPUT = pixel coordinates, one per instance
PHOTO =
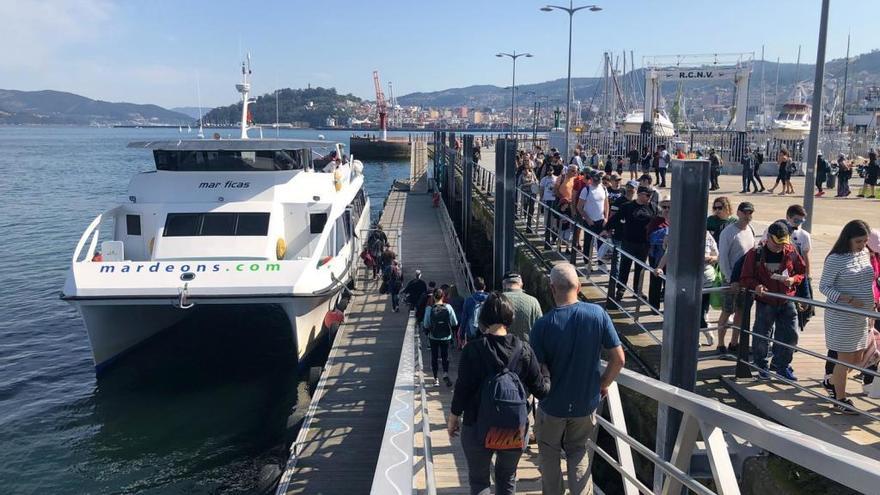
(793, 121)
(232, 222)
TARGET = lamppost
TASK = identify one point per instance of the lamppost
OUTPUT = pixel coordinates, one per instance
(571, 9)
(816, 117)
(513, 56)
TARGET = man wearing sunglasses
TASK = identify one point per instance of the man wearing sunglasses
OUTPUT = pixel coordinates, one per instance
(632, 220)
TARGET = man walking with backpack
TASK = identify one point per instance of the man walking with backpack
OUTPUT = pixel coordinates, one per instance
(439, 322)
(496, 374)
(470, 326)
(568, 340)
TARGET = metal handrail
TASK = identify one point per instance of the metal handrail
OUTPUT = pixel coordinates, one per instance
(822, 304)
(836, 463)
(430, 480)
(93, 231)
(462, 257)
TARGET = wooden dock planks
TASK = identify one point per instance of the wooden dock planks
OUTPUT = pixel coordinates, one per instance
(343, 440)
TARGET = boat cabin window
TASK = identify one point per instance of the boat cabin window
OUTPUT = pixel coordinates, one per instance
(317, 221)
(216, 224)
(133, 224)
(224, 160)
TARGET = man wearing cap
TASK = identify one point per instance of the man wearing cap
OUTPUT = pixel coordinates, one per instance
(612, 186)
(774, 268)
(526, 309)
(735, 241)
(632, 220)
(645, 180)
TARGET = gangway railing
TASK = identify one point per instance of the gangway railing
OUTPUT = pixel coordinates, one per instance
(716, 424)
(461, 262)
(745, 366)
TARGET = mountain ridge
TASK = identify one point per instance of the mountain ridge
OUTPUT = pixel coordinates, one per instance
(59, 107)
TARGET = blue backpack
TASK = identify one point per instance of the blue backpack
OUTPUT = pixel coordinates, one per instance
(503, 415)
(655, 239)
(473, 328)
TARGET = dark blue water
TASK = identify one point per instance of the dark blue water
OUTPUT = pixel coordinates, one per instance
(210, 407)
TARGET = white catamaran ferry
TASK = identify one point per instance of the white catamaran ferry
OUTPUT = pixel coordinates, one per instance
(235, 222)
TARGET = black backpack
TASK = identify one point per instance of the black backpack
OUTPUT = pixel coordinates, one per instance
(441, 328)
(503, 414)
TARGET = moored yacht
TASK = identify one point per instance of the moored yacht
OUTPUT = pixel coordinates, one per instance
(793, 121)
(632, 124)
(235, 222)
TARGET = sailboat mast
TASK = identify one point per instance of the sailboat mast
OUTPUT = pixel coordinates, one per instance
(776, 89)
(605, 93)
(845, 80)
(763, 93)
(623, 83)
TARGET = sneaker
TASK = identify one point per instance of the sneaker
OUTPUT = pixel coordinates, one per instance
(850, 411)
(436, 382)
(787, 373)
(829, 387)
(447, 381)
(763, 374)
(721, 350)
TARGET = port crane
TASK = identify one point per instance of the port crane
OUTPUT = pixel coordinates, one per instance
(381, 106)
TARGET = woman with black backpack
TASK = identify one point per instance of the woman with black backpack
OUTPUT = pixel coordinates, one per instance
(496, 374)
(440, 323)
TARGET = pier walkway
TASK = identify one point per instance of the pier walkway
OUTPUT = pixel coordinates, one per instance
(341, 436)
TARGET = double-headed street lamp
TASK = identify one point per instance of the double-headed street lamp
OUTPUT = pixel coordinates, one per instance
(513, 56)
(571, 9)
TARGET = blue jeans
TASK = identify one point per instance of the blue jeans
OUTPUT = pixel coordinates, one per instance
(395, 298)
(479, 462)
(785, 319)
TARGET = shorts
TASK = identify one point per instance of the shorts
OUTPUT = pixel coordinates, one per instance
(633, 167)
(731, 301)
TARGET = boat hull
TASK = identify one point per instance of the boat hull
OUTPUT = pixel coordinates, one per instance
(118, 326)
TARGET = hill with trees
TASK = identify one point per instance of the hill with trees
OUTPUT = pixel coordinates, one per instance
(312, 106)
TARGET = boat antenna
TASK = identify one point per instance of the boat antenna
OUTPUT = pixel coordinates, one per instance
(244, 87)
(277, 127)
(199, 96)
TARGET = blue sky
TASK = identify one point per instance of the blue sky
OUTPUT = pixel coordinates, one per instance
(154, 51)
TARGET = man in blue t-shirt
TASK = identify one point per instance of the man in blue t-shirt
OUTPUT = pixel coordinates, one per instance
(568, 342)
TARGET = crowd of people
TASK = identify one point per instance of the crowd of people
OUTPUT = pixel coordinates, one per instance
(524, 377)
(635, 218)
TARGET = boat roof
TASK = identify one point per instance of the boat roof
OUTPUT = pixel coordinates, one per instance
(231, 144)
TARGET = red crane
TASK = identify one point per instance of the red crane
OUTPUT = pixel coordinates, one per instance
(381, 106)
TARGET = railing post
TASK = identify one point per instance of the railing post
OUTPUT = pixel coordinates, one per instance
(505, 169)
(684, 287)
(612, 274)
(742, 350)
(467, 187)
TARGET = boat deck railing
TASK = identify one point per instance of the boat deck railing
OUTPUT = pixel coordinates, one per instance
(91, 235)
